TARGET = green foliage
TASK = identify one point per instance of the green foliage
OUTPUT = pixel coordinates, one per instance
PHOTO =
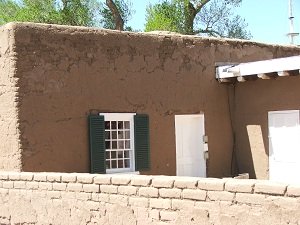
(206, 17)
(125, 10)
(164, 16)
(42, 11)
(68, 12)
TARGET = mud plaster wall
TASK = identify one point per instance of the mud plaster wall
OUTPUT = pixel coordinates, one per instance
(10, 155)
(253, 102)
(65, 73)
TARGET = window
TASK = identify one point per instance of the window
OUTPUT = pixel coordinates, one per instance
(119, 142)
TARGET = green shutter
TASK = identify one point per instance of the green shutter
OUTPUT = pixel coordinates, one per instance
(141, 140)
(97, 143)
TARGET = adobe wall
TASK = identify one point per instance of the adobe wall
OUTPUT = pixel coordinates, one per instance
(254, 99)
(10, 154)
(60, 198)
(64, 73)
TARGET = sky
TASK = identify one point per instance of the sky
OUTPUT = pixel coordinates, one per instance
(267, 19)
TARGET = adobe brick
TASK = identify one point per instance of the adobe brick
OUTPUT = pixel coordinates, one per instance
(45, 186)
(74, 187)
(120, 179)
(169, 192)
(69, 178)
(256, 199)
(220, 195)
(139, 201)
(85, 178)
(168, 215)
(240, 185)
(160, 203)
(211, 184)
(127, 190)
(186, 183)
(119, 199)
(178, 204)
(269, 187)
(59, 186)
(141, 180)
(26, 176)
(19, 184)
(54, 177)
(111, 189)
(163, 182)
(194, 194)
(293, 190)
(102, 179)
(40, 177)
(91, 188)
(148, 192)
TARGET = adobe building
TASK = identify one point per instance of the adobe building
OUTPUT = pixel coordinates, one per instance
(75, 99)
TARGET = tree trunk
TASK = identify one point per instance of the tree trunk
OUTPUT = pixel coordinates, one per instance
(119, 22)
(190, 17)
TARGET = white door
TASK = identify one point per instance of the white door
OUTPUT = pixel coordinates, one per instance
(284, 146)
(189, 130)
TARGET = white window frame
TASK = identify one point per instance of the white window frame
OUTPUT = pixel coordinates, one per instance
(123, 117)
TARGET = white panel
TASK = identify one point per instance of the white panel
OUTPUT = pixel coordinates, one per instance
(259, 67)
(189, 130)
(284, 144)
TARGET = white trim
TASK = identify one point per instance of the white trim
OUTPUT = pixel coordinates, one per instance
(128, 117)
(259, 67)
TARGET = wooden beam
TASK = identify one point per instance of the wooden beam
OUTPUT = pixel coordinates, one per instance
(288, 73)
(241, 79)
(267, 76)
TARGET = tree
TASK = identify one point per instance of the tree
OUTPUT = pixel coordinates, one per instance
(115, 14)
(210, 17)
(68, 12)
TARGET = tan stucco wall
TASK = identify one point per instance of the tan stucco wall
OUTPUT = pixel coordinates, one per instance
(10, 154)
(253, 102)
(60, 198)
(64, 73)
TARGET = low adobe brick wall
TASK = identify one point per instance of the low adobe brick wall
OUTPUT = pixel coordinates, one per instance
(61, 198)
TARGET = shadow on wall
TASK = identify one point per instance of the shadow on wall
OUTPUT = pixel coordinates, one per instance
(258, 150)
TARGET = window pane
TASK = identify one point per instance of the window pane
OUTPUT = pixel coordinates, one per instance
(113, 155)
(127, 144)
(114, 164)
(108, 164)
(121, 144)
(126, 154)
(127, 134)
(120, 134)
(120, 125)
(114, 145)
(120, 154)
(107, 155)
(120, 164)
(113, 125)
(127, 163)
(126, 125)
(107, 125)
(114, 134)
(107, 134)
(107, 145)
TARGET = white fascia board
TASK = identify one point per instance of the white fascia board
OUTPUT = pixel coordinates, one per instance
(259, 67)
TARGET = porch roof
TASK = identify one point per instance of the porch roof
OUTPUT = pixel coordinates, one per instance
(266, 69)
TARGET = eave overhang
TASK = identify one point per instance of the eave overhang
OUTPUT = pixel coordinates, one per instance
(265, 69)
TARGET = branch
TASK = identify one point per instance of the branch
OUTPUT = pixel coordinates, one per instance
(200, 5)
(119, 22)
